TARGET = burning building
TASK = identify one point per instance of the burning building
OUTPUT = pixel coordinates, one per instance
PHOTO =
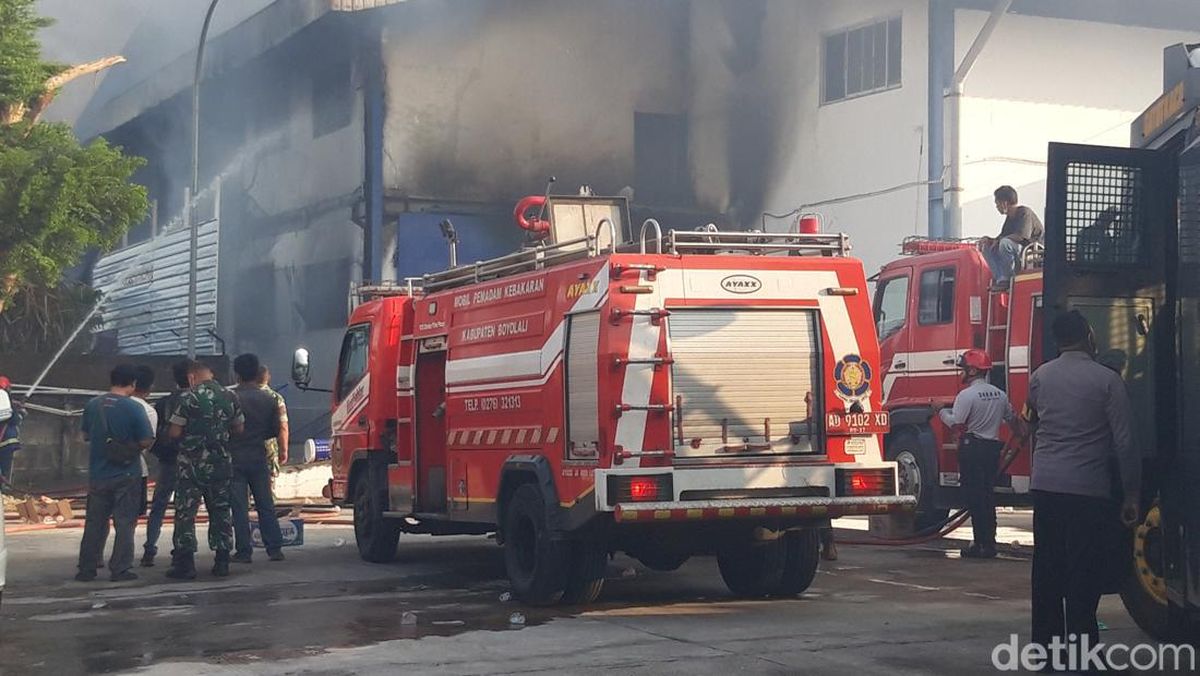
(342, 132)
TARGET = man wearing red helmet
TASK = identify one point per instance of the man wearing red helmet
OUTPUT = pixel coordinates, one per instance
(978, 412)
(11, 414)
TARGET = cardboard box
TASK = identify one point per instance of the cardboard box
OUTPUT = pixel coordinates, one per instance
(292, 529)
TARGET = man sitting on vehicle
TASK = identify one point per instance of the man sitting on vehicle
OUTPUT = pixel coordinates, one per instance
(1021, 228)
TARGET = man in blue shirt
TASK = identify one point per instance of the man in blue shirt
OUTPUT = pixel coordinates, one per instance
(114, 426)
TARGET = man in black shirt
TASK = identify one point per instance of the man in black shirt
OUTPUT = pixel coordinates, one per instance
(1021, 228)
(167, 452)
(251, 469)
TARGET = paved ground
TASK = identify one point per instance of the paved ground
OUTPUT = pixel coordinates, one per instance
(877, 610)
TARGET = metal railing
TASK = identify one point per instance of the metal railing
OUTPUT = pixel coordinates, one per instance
(708, 240)
(757, 243)
(1032, 256)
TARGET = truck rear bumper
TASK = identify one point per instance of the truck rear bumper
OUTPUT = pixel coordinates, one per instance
(787, 508)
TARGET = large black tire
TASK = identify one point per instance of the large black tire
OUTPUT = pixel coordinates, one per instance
(1145, 591)
(802, 554)
(536, 562)
(753, 569)
(918, 476)
(375, 534)
(587, 561)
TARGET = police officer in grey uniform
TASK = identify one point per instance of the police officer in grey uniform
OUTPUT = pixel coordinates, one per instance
(979, 410)
(1086, 471)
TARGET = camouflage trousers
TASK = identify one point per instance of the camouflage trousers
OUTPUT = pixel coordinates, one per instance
(209, 480)
(273, 456)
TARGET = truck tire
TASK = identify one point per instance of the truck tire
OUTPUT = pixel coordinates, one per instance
(587, 561)
(536, 562)
(375, 534)
(753, 569)
(802, 553)
(1145, 592)
(917, 473)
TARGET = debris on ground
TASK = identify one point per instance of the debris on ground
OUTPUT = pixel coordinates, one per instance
(44, 510)
(516, 620)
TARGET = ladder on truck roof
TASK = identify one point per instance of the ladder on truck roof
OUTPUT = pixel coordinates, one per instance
(708, 240)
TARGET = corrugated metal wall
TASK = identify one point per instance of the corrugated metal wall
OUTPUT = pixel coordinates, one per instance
(146, 293)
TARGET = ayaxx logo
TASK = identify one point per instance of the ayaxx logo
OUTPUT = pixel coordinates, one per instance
(741, 284)
(1078, 653)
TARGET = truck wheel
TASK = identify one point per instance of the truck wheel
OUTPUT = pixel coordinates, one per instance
(917, 475)
(1145, 592)
(802, 552)
(536, 563)
(587, 561)
(753, 569)
(375, 534)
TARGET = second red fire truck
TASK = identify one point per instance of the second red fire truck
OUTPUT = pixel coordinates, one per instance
(932, 305)
(698, 392)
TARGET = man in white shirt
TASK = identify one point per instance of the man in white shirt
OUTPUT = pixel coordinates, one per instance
(978, 412)
(141, 392)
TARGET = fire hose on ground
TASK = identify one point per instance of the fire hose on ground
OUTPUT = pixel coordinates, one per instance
(942, 528)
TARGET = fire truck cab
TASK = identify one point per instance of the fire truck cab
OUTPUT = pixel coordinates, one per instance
(697, 392)
(932, 305)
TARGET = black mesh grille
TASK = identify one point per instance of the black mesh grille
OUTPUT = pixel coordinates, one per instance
(1104, 214)
(1189, 214)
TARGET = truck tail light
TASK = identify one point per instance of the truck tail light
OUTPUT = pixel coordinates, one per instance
(649, 488)
(866, 482)
(643, 490)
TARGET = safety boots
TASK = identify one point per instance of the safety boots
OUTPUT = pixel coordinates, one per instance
(221, 567)
(183, 566)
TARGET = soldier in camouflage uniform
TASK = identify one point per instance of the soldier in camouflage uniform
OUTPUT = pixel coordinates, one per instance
(274, 458)
(202, 422)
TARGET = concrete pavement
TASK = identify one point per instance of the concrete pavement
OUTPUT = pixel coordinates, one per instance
(914, 610)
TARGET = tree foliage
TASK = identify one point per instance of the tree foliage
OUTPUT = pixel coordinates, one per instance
(58, 198)
(22, 72)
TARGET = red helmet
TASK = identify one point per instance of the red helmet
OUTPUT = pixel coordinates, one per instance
(5, 383)
(975, 359)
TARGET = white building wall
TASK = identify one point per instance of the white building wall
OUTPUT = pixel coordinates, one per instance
(1041, 80)
(871, 143)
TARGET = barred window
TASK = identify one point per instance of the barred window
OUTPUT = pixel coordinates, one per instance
(1189, 214)
(1104, 214)
(861, 60)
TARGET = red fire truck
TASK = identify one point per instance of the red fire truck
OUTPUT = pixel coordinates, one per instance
(699, 392)
(931, 305)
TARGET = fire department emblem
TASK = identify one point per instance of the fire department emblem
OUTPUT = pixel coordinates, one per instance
(853, 377)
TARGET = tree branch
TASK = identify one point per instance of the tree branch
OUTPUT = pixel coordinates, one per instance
(32, 111)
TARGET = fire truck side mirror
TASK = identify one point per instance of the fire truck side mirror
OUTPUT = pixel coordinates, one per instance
(300, 368)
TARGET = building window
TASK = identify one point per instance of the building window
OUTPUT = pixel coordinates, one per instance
(332, 97)
(660, 148)
(936, 302)
(861, 60)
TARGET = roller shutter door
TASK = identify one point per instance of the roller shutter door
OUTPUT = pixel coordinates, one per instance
(743, 367)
